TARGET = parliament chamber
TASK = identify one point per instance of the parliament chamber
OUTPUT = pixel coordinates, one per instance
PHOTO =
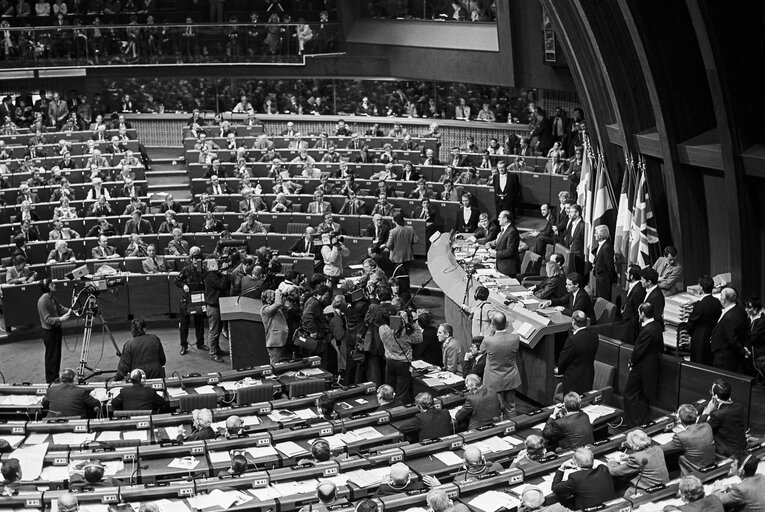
(414, 244)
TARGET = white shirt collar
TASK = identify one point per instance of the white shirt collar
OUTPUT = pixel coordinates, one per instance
(650, 289)
(647, 321)
(631, 286)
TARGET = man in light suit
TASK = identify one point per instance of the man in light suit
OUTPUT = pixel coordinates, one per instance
(702, 321)
(603, 267)
(695, 442)
(401, 240)
(506, 246)
(57, 110)
(251, 203)
(642, 383)
(153, 264)
(577, 359)
(670, 272)
(749, 495)
(319, 205)
(568, 427)
(103, 250)
(501, 374)
(481, 406)
(730, 336)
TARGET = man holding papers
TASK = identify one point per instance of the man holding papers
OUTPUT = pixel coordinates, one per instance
(501, 374)
(568, 426)
(587, 486)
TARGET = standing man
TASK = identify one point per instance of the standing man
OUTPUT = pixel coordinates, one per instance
(603, 267)
(573, 238)
(216, 284)
(191, 280)
(506, 252)
(507, 188)
(51, 317)
(577, 359)
(630, 324)
(501, 374)
(702, 321)
(670, 272)
(730, 336)
(401, 242)
(649, 279)
(642, 383)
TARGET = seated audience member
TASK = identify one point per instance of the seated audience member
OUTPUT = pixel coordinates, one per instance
(320, 452)
(11, 472)
(475, 465)
(217, 187)
(61, 232)
(100, 208)
(137, 224)
(749, 494)
(670, 272)
(439, 501)
(61, 254)
(568, 427)
(487, 230)
(475, 359)
(136, 248)
(401, 480)
(451, 349)
(353, 205)
(103, 250)
(238, 466)
(378, 230)
(383, 207)
(429, 423)
(138, 397)
(306, 246)
(89, 474)
(102, 228)
(64, 211)
(19, 273)
(211, 224)
(170, 224)
(577, 298)
(327, 494)
(726, 418)
(644, 462)
(426, 211)
(67, 399)
(586, 486)
(695, 441)
(329, 225)
(153, 264)
(553, 286)
(691, 491)
(251, 225)
(386, 396)
(319, 205)
(202, 425)
(235, 426)
(533, 500)
(178, 246)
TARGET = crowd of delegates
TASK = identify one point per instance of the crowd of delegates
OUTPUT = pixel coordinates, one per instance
(456, 10)
(437, 100)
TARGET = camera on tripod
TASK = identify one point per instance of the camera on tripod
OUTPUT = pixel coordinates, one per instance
(96, 286)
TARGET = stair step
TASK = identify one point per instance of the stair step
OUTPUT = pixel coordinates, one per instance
(168, 186)
(162, 172)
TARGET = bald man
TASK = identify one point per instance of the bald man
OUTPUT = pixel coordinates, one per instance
(475, 465)
(67, 399)
(68, 503)
(482, 407)
(399, 480)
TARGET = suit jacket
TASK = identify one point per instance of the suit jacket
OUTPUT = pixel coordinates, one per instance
(551, 288)
(476, 364)
(488, 234)
(275, 324)
(512, 189)
(223, 189)
(710, 503)
(582, 302)
(508, 260)
(69, 400)
(569, 432)
(137, 398)
(577, 361)
(430, 214)
(149, 267)
(259, 205)
(701, 323)
(560, 219)
(401, 240)
(482, 407)
(656, 299)
(177, 248)
(360, 208)
(604, 270)
(747, 496)
(471, 225)
(574, 239)
(590, 487)
(431, 424)
(645, 357)
(653, 473)
(501, 373)
(670, 276)
(728, 338)
(696, 444)
(630, 324)
(144, 228)
(313, 207)
(729, 429)
(384, 232)
(98, 253)
(543, 133)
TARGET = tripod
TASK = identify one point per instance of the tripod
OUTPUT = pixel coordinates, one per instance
(91, 311)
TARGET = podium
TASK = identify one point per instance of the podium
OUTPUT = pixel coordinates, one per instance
(245, 331)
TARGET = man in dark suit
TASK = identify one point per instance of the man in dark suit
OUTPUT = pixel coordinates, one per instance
(506, 246)
(66, 399)
(507, 188)
(217, 187)
(573, 238)
(429, 423)
(543, 132)
(603, 267)
(628, 328)
(587, 486)
(695, 442)
(577, 298)
(568, 427)
(702, 321)
(730, 335)
(642, 383)
(545, 235)
(481, 406)
(425, 211)
(467, 217)
(653, 295)
(137, 224)
(560, 215)
(726, 418)
(577, 359)
(501, 374)
(378, 231)
(137, 397)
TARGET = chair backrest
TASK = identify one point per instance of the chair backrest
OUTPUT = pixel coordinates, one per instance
(255, 394)
(604, 375)
(60, 270)
(531, 263)
(188, 403)
(296, 228)
(305, 387)
(605, 312)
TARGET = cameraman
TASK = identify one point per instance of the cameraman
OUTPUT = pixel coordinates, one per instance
(217, 283)
(191, 279)
(397, 338)
(314, 321)
(333, 258)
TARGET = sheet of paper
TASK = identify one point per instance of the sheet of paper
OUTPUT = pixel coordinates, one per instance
(664, 437)
(338, 480)
(21, 400)
(204, 390)
(491, 501)
(219, 457)
(109, 435)
(171, 506)
(100, 394)
(361, 401)
(31, 460)
(282, 415)
(215, 498)
(449, 458)
(176, 392)
(306, 414)
(431, 382)
(139, 435)
(419, 364)
(14, 441)
(54, 474)
(658, 506)
(72, 438)
(498, 444)
(112, 467)
(296, 487)
(265, 493)
(368, 477)
(368, 433)
(596, 411)
(187, 463)
(311, 372)
(36, 438)
(290, 448)
(174, 432)
(258, 452)
(540, 426)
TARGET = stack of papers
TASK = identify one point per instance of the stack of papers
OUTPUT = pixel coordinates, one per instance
(174, 432)
(175, 393)
(282, 415)
(112, 467)
(218, 498)
(265, 493)
(166, 506)
(419, 364)
(36, 438)
(291, 449)
(101, 394)
(491, 501)
(54, 474)
(448, 458)
(311, 372)
(664, 437)
(545, 485)
(306, 414)
(20, 400)
(137, 435)
(496, 444)
(14, 441)
(187, 463)
(368, 477)
(257, 452)
(205, 390)
(445, 378)
(596, 411)
(295, 487)
(108, 436)
(73, 439)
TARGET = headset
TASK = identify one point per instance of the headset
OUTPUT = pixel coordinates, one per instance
(138, 376)
(45, 285)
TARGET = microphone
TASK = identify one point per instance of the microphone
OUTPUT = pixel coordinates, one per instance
(180, 379)
(370, 461)
(643, 461)
(336, 416)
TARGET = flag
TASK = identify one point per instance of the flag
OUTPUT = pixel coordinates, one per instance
(603, 204)
(644, 238)
(583, 187)
(624, 216)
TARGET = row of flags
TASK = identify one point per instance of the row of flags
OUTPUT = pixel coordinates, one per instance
(634, 235)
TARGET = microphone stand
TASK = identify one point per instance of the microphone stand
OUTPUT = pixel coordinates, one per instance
(470, 270)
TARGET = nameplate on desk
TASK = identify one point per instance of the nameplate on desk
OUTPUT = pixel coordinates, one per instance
(142, 424)
(488, 475)
(396, 458)
(485, 427)
(516, 478)
(429, 441)
(264, 410)
(17, 430)
(41, 391)
(455, 444)
(359, 416)
(415, 492)
(212, 379)
(302, 466)
(157, 385)
(197, 450)
(594, 508)
(173, 442)
(157, 484)
(707, 469)
(654, 488)
(534, 413)
(80, 428)
(109, 498)
(260, 482)
(268, 371)
(510, 429)
(60, 461)
(330, 472)
(299, 427)
(186, 491)
(57, 421)
(128, 456)
(32, 503)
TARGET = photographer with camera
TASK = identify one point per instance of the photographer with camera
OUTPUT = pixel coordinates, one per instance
(217, 283)
(191, 280)
(314, 321)
(397, 336)
(333, 255)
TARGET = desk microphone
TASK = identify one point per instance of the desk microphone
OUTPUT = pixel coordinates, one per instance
(643, 461)
(371, 462)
